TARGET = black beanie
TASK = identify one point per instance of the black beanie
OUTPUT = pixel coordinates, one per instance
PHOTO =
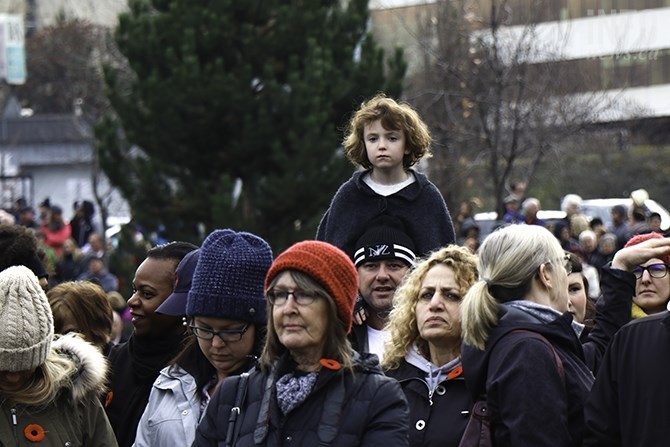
(385, 238)
(229, 277)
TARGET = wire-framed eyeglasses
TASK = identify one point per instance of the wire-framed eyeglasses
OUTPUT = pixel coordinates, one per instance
(227, 335)
(301, 297)
(655, 270)
(566, 262)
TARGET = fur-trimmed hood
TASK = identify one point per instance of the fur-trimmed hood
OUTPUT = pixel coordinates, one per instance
(90, 374)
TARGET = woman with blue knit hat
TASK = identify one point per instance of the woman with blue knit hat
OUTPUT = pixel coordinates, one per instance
(310, 388)
(226, 312)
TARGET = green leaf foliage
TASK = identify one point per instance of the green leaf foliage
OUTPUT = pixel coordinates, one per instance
(238, 96)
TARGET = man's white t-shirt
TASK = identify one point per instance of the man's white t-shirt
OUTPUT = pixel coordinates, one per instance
(376, 340)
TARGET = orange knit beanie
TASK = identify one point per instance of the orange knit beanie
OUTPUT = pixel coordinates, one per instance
(327, 265)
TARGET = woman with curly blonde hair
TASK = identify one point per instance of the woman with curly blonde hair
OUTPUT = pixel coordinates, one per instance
(423, 352)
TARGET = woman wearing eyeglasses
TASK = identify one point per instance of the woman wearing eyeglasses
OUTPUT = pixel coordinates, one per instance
(226, 313)
(521, 350)
(311, 388)
(652, 285)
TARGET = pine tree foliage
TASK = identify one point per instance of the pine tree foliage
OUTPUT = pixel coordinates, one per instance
(234, 115)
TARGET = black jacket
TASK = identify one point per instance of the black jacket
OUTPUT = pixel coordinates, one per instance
(358, 337)
(438, 420)
(628, 405)
(529, 402)
(135, 364)
(613, 311)
(373, 410)
(420, 206)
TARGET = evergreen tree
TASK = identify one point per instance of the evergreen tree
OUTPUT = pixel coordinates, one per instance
(234, 115)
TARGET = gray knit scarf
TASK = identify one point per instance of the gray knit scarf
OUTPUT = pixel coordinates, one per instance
(293, 389)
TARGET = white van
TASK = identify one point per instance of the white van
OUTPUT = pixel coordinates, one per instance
(602, 208)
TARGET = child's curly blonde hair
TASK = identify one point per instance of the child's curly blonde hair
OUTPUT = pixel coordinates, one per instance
(394, 116)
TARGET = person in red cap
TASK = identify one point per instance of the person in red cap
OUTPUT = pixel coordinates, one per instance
(652, 288)
(310, 388)
(628, 404)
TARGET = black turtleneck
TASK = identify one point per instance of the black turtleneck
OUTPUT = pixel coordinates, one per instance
(135, 365)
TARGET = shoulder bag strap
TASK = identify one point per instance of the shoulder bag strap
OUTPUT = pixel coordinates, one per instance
(557, 359)
(261, 431)
(233, 428)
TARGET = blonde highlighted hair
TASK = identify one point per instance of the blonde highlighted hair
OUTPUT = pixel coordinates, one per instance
(402, 325)
(509, 259)
(48, 380)
(394, 115)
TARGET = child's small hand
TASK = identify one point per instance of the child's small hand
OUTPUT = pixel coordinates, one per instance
(360, 317)
(360, 312)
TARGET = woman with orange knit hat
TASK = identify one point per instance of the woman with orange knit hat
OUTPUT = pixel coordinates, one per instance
(310, 387)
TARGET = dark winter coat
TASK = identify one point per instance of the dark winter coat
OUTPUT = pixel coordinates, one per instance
(613, 311)
(420, 206)
(438, 420)
(68, 268)
(530, 403)
(135, 364)
(628, 405)
(373, 411)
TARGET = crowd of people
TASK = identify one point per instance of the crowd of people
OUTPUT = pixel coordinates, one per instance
(389, 328)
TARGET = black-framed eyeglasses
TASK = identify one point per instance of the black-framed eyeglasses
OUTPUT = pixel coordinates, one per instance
(567, 263)
(301, 297)
(227, 335)
(655, 270)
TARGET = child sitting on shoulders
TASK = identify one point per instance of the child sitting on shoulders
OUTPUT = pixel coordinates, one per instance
(386, 139)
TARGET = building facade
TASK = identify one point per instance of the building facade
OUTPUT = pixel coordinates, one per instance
(621, 46)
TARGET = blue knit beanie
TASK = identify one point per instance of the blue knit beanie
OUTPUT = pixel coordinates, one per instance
(229, 277)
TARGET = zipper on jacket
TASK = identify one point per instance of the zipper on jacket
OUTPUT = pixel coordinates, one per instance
(15, 425)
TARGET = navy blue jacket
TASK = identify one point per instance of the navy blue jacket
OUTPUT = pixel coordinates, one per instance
(530, 403)
(420, 206)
